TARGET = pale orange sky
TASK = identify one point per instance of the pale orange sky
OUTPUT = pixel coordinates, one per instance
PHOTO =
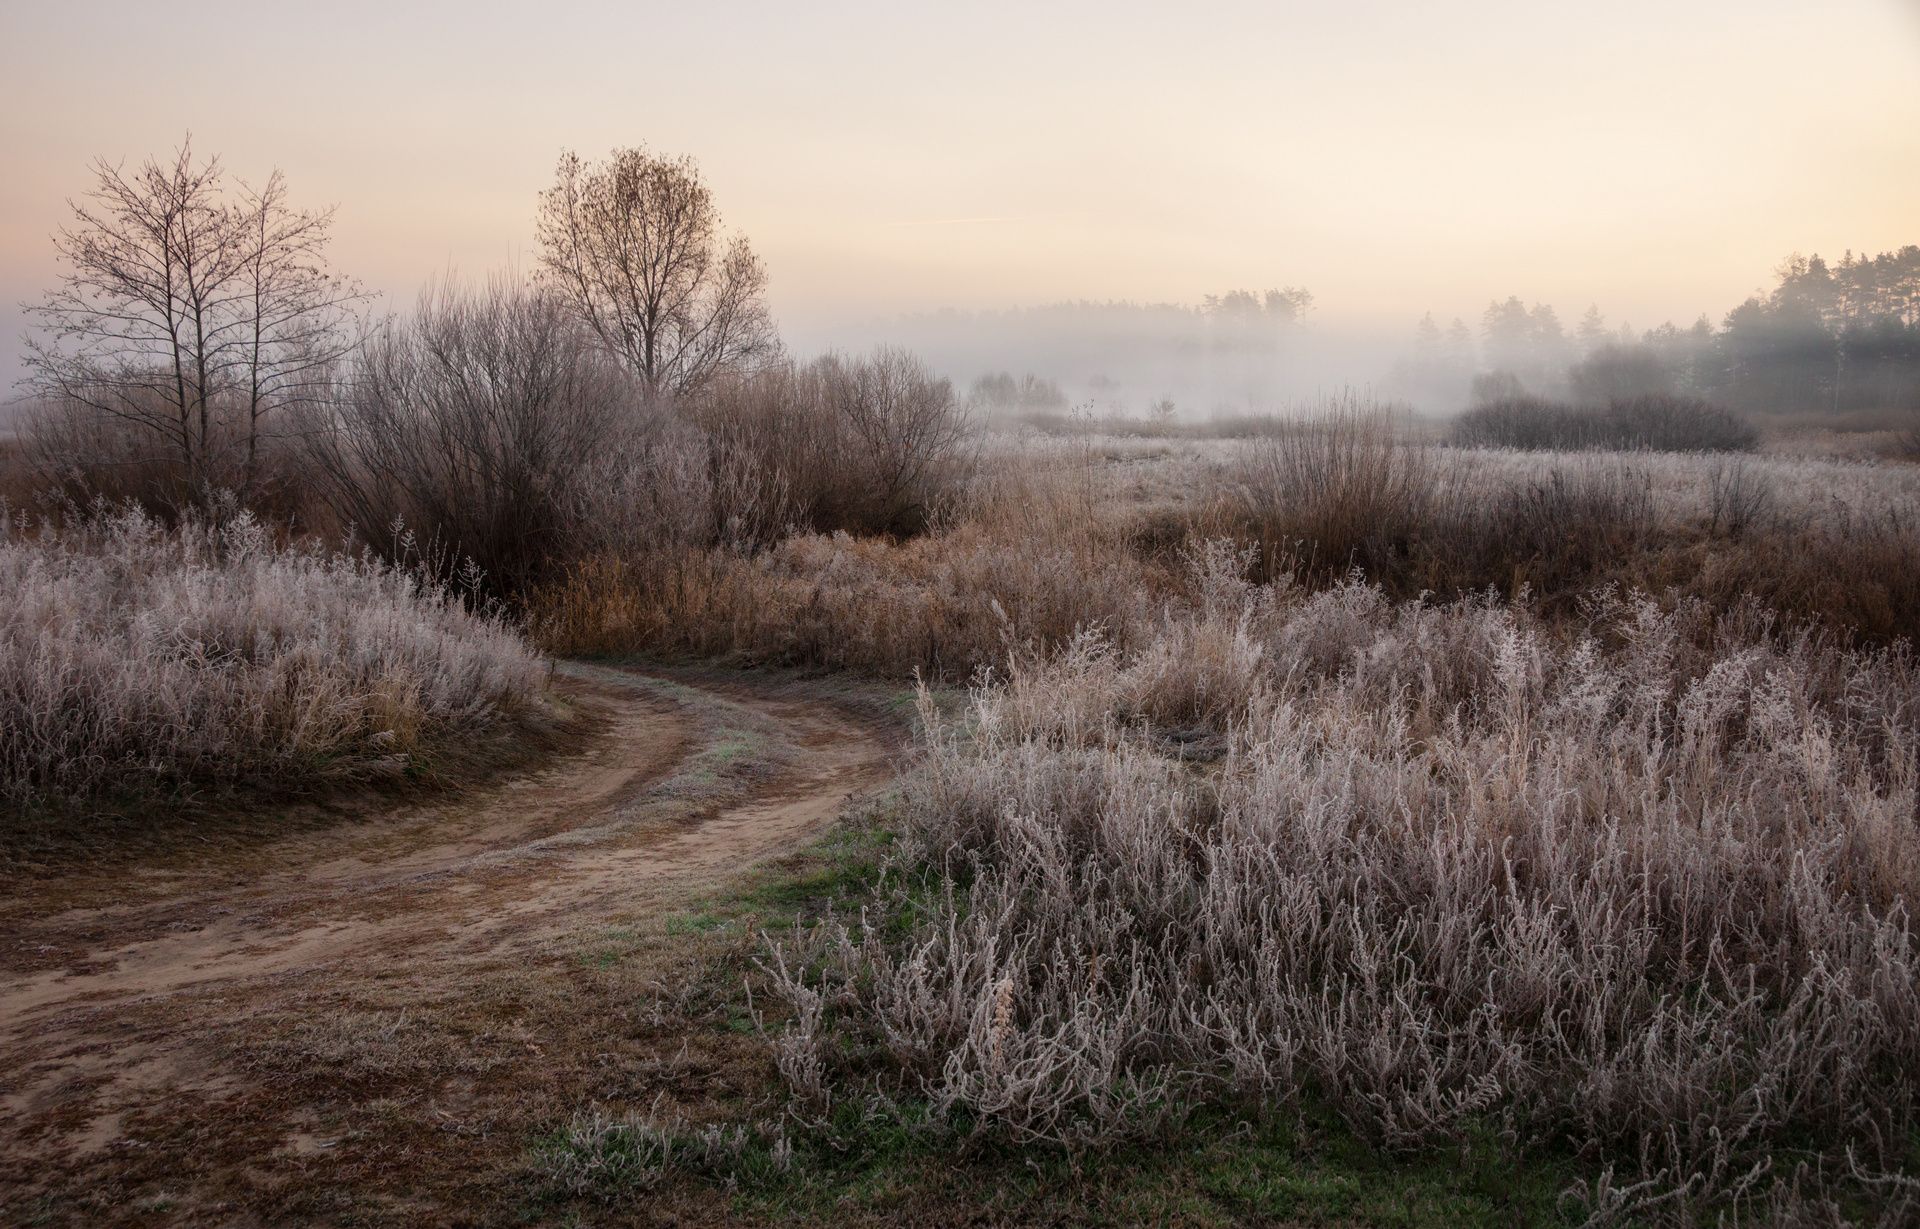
(1393, 156)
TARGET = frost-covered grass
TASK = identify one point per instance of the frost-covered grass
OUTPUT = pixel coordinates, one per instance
(137, 661)
(1634, 888)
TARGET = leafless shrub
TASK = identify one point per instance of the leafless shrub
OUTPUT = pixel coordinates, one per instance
(74, 454)
(905, 423)
(1554, 537)
(1739, 499)
(869, 445)
(475, 423)
(1663, 423)
(1655, 422)
(1341, 490)
(1521, 421)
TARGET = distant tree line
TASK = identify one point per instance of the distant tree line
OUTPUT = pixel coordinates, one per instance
(1831, 337)
(1286, 305)
(1845, 336)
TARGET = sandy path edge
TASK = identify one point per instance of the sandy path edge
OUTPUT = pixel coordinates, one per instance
(102, 1022)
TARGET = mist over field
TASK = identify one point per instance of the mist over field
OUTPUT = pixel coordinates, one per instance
(1840, 335)
(1392, 159)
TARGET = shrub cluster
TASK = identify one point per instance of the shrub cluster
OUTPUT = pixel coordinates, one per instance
(868, 446)
(1345, 492)
(1655, 422)
(495, 427)
(1339, 490)
(477, 423)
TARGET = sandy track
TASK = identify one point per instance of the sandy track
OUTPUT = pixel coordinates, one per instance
(102, 1010)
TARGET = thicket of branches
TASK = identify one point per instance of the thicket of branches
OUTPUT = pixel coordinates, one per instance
(477, 424)
(1654, 422)
(869, 445)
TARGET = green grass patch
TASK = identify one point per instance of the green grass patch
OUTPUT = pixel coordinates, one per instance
(896, 1169)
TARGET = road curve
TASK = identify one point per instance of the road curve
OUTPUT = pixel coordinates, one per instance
(687, 784)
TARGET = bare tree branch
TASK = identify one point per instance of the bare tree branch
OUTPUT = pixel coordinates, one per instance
(191, 312)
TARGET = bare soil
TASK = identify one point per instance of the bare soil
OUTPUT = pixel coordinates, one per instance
(367, 1022)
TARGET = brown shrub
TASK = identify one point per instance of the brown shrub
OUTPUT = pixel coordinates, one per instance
(1658, 422)
(1530, 423)
(873, 445)
(1664, 423)
(1862, 580)
(1553, 537)
(474, 424)
(1339, 491)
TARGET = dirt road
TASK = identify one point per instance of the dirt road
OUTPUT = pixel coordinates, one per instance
(286, 1033)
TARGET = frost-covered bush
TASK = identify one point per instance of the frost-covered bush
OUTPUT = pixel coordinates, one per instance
(1639, 887)
(136, 659)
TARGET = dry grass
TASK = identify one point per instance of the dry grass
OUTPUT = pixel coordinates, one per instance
(1636, 887)
(1884, 435)
(1613, 861)
(138, 661)
(1051, 535)
(1615, 865)
(944, 605)
(1602, 848)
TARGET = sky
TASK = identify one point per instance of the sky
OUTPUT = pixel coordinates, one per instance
(1394, 156)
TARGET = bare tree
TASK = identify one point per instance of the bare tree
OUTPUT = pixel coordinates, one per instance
(635, 245)
(191, 314)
